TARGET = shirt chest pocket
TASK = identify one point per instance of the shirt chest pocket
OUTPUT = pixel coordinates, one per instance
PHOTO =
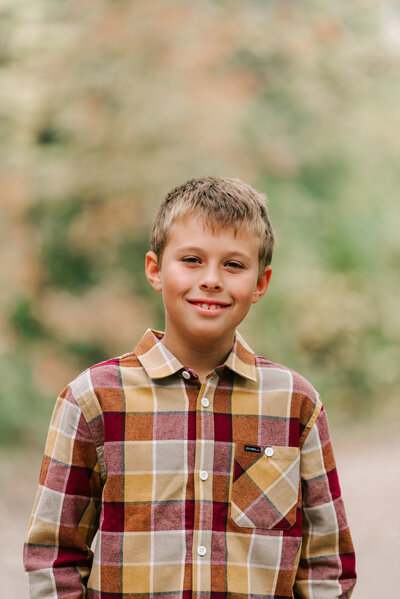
(265, 486)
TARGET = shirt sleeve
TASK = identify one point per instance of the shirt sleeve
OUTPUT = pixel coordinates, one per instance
(327, 561)
(57, 554)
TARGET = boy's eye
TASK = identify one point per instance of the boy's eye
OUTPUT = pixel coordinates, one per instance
(191, 259)
(233, 264)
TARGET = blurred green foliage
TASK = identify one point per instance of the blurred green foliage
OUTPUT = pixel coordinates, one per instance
(63, 264)
(108, 105)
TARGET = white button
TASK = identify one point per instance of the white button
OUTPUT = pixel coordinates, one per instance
(203, 475)
(201, 550)
(205, 402)
(186, 374)
(269, 451)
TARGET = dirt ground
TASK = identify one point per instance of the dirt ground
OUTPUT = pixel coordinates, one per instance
(369, 467)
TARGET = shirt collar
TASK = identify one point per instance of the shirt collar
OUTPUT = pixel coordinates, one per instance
(242, 359)
(159, 362)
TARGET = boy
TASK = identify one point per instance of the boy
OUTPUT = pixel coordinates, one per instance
(204, 470)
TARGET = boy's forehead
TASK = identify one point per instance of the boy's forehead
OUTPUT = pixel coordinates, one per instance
(192, 233)
(207, 223)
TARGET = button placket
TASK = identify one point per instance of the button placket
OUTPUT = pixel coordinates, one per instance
(203, 488)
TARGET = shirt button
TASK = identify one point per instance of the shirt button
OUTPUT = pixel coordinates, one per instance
(201, 550)
(205, 402)
(269, 451)
(186, 374)
(203, 475)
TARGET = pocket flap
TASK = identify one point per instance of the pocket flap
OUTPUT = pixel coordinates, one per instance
(265, 486)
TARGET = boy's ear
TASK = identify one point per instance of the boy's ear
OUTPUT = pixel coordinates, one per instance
(262, 284)
(153, 271)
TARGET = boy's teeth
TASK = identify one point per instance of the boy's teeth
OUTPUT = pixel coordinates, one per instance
(208, 306)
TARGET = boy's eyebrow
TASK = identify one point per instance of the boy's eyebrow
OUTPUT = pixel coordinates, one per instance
(193, 248)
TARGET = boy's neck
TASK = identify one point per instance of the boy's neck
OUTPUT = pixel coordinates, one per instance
(201, 358)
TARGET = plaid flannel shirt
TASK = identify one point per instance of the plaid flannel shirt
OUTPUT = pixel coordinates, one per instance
(155, 485)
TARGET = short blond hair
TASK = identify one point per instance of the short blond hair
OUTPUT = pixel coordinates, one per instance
(220, 202)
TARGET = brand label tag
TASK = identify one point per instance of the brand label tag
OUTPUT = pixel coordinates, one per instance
(253, 448)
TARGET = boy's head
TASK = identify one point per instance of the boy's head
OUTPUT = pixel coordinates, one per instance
(211, 243)
(219, 203)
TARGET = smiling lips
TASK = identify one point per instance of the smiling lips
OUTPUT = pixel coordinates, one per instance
(208, 305)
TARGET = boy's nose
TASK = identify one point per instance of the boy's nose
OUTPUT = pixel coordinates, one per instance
(211, 280)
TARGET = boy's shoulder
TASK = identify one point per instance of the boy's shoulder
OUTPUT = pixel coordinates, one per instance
(99, 390)
(105, 374)
(272, 374)
(129, 370)
(296, 382)
(292, 392)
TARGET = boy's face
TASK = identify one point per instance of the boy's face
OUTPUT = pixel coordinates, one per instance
(208, 281)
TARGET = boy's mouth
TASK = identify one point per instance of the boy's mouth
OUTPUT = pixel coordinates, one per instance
(208, 304)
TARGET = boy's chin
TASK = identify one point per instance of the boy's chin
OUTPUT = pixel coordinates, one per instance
(203, 335)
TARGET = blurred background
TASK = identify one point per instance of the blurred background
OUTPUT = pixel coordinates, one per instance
(107, 105)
